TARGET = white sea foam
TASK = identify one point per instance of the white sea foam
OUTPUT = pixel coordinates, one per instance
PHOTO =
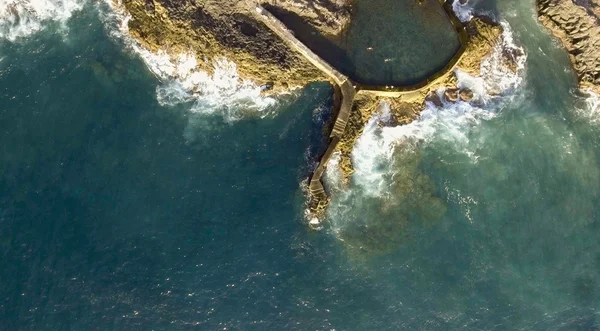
(466, 203)
(464, 12)
(593, 102)
(333, 175)
(589, 108)
(495, 70)
(182, 82)
(22, 18)
(374, 151)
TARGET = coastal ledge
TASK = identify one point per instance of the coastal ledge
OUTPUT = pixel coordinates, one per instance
(577, 25)
(236, 31)
(347, 91)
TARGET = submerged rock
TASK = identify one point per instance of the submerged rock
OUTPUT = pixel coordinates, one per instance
(577, 25)
(212, 29)
(483, 37)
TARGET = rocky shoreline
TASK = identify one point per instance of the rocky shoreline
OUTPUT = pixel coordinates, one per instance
(483, 35)
(577, 25)
(212, 29)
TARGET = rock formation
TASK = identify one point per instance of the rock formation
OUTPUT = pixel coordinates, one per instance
(483, 34)
(226, 28)
(577, 25)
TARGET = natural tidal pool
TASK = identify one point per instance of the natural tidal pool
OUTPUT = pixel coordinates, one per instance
(403, 42)
(127, 205)
(388, 42)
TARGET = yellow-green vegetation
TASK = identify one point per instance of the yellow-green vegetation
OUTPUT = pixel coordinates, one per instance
(217, 29)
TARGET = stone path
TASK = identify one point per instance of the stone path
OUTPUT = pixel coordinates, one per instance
(349, 90)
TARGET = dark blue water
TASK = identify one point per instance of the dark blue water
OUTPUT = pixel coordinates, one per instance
(113, 218)
(110, 219)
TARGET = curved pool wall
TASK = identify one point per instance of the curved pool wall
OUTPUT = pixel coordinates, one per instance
(388, 42)
(399, 42)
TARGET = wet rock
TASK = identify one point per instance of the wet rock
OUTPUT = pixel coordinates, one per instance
(228, 28)
(451, 95)
(466, 95)
(577, 25)
(150, 6)
(435, 99)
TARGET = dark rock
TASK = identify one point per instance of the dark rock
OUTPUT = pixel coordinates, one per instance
(451, 95)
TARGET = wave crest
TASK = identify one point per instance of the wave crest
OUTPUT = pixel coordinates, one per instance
(450, 122)
(588, 106)
(463, 11)
(387, 160)
(22, 18)
(182, 82)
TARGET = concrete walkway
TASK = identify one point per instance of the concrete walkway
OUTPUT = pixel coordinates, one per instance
(349, 89)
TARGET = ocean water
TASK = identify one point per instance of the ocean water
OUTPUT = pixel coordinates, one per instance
(139, 194)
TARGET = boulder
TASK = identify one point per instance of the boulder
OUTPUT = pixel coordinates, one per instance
(451, 94)
(466, 95)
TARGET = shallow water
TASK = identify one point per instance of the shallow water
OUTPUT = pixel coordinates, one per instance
(117, 212)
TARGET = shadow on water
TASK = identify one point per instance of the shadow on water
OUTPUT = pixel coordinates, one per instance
(388, 42)
(311, 37)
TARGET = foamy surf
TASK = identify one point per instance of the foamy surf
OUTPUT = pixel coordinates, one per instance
(22, 18)
(221, 92)
(589, 106)
(593, 102)
(386, 158)
(374, 151)
(463, 11)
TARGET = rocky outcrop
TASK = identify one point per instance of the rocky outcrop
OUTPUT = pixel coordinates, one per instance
(484, 36)
(212, 29)
(330, 17)
(577, 25)
(230, 29)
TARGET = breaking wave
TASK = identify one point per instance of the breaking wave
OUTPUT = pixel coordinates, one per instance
(386, 159)
(464, 11)
(588, 106)
(182, 82)
(451, 121)
(22, 18)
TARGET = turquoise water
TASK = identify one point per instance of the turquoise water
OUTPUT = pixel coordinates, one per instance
(119, 213)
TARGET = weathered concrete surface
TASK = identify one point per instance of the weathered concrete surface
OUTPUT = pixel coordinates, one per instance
(349, 90)
(346, 89)
(288, 37)
(577, 25)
